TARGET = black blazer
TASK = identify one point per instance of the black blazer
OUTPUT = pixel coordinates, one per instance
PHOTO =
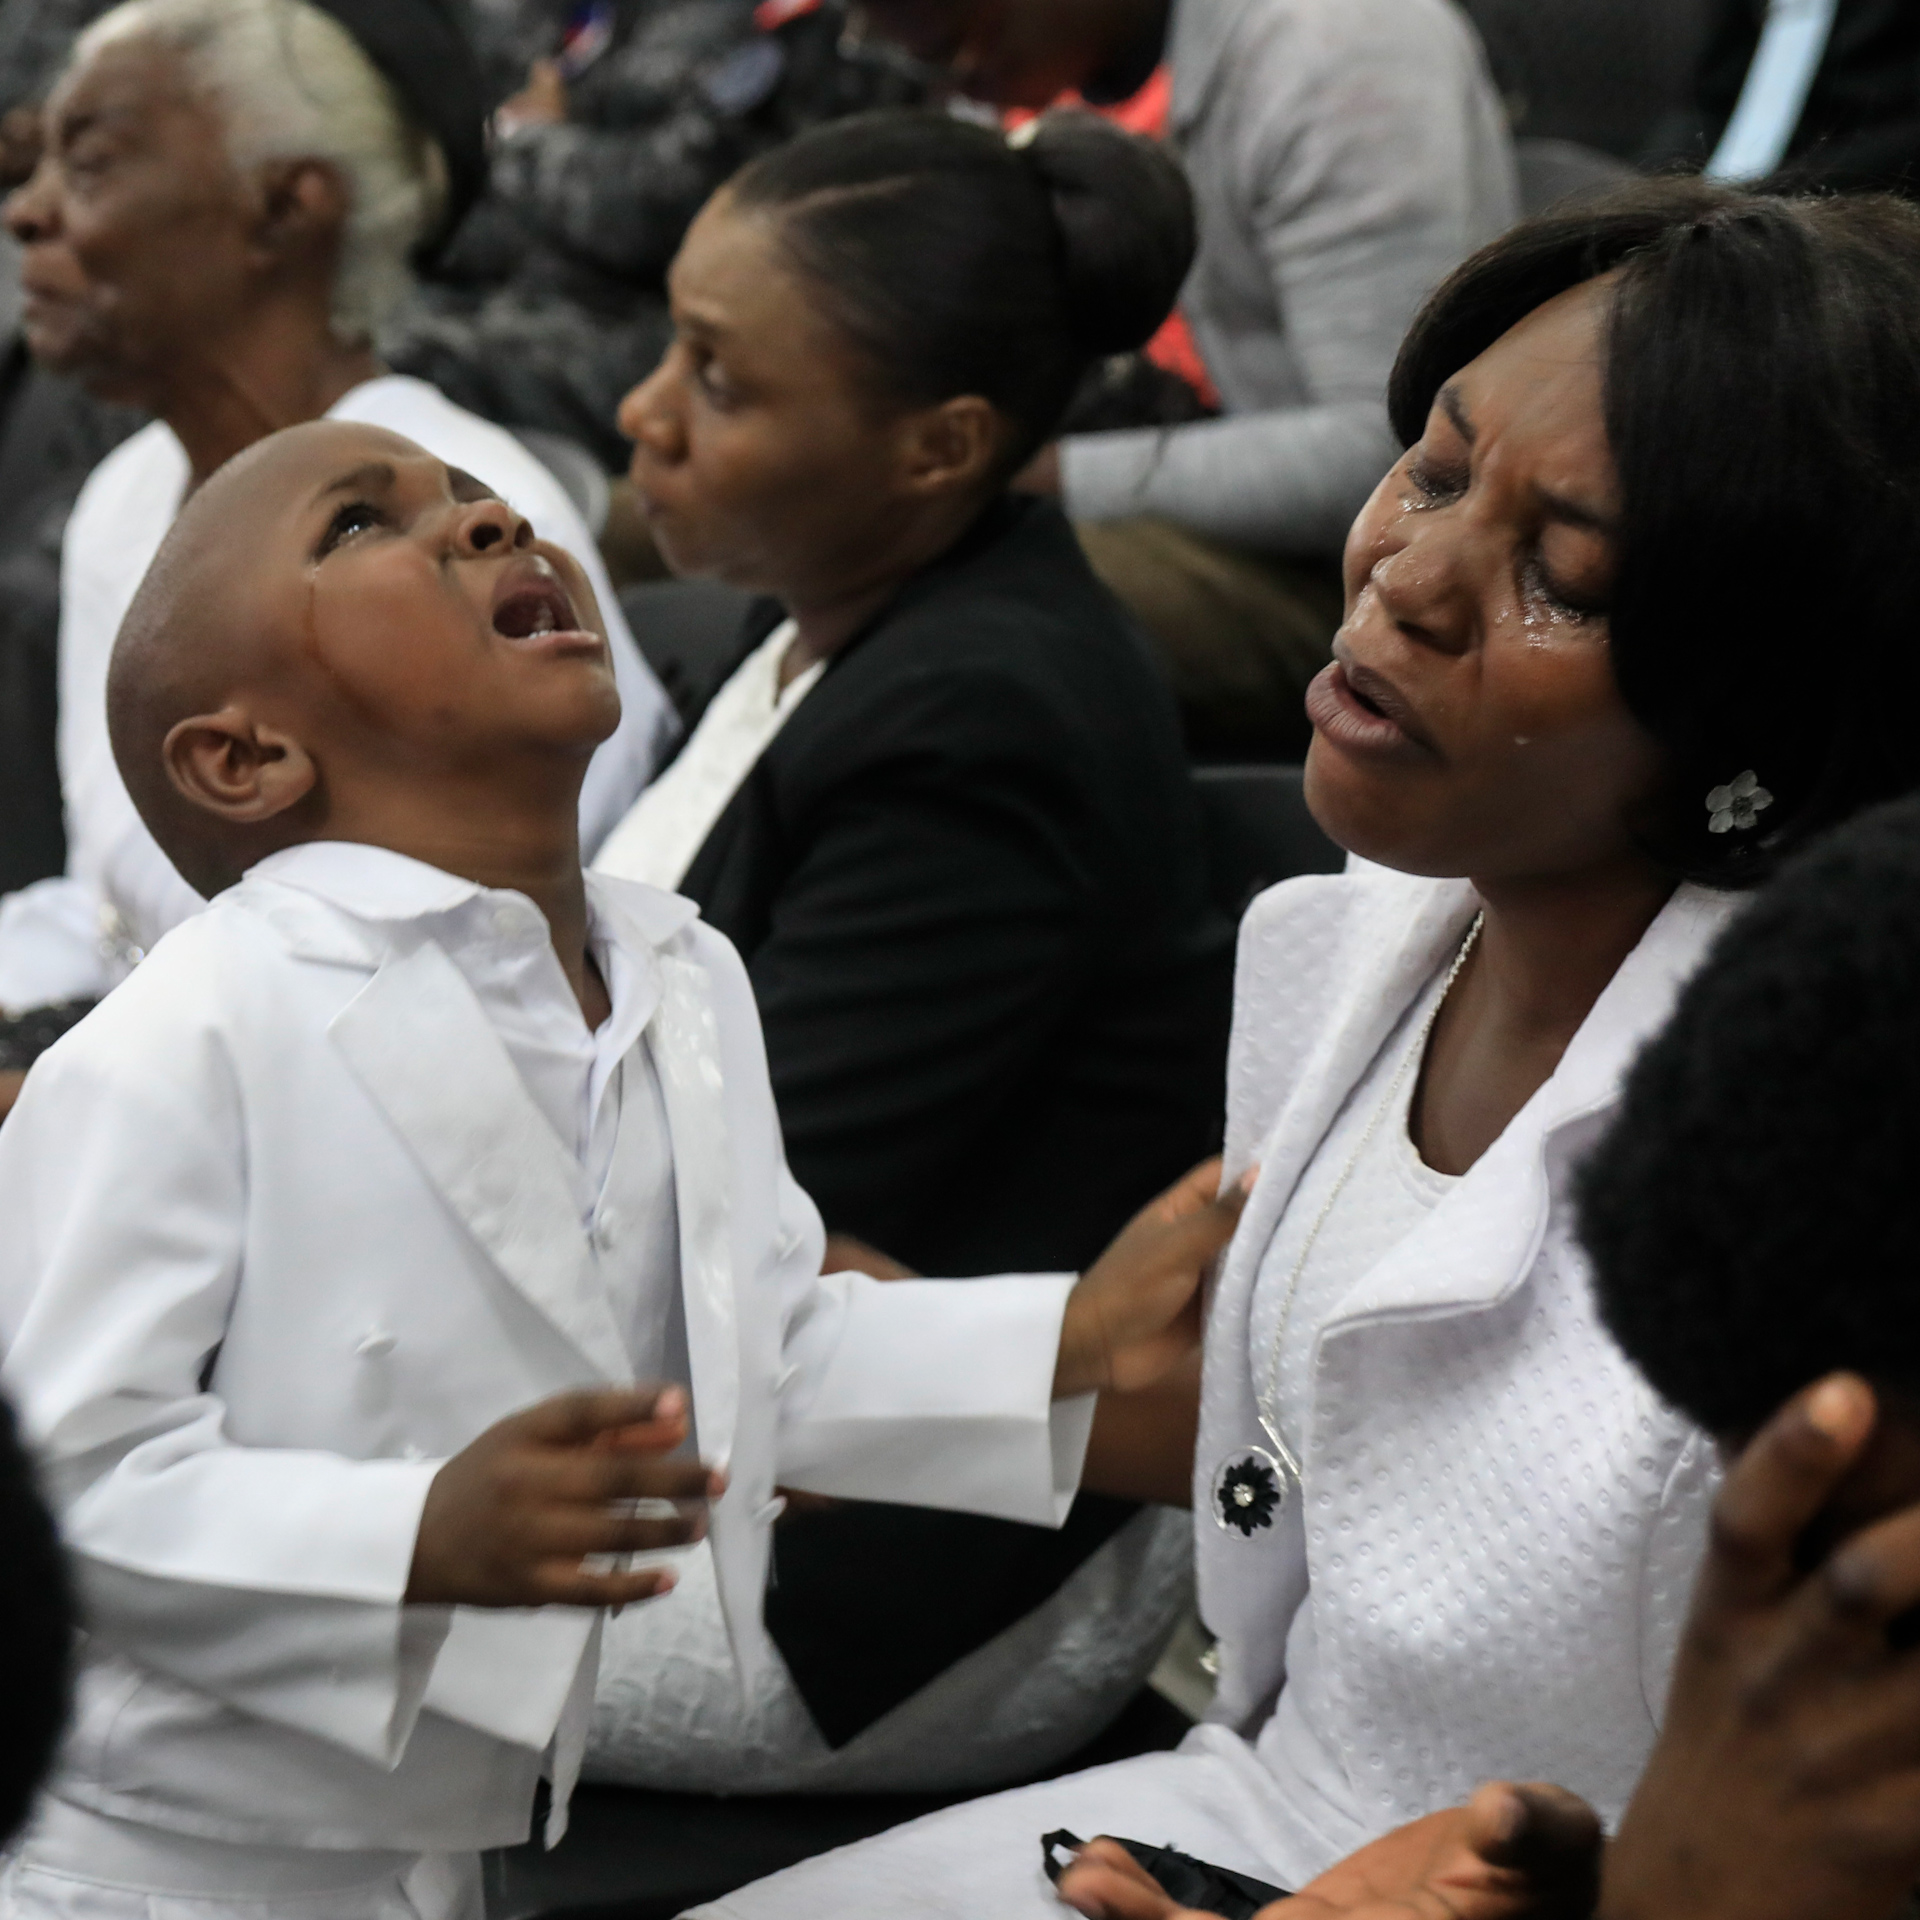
(967, 881)
(1861, 125)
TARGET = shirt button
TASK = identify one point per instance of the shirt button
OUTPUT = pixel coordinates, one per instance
(374, 1342)
(606, 1229)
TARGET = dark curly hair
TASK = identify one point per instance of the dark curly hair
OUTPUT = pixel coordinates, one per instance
(1753, 1214)
(1763, 406)
(36, 1634)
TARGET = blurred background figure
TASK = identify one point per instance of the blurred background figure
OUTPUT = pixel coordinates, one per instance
(228, 203)
(1344, 159)
(1806, 94)
(616, 120)
(52, 435)
(37, 1623)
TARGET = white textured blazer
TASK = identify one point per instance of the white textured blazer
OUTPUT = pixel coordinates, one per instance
(284, 1229)
(1500, 1519)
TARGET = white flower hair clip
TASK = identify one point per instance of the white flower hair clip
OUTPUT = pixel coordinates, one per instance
(1738, 805)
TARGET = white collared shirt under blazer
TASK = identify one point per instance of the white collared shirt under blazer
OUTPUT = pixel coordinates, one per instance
(287, 1227)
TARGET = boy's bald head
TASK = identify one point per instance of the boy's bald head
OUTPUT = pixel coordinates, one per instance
(335, 622)
(187, 647)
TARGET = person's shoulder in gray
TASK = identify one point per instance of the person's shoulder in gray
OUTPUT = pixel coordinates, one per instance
(1345, 156)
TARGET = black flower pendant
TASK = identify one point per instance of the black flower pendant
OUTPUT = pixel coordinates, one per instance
(1248, 1491)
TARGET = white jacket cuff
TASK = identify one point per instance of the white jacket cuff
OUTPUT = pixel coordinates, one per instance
(939, 1393)
(508, 1671)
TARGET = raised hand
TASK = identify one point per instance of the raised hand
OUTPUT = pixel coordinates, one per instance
(1511, 1853)
(1786, 1782)
(1136, 1313)
(509, 1520)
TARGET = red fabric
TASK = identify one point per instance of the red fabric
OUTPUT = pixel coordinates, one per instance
(770, 14)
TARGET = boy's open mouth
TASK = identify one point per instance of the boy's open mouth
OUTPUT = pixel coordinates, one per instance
(531, 606)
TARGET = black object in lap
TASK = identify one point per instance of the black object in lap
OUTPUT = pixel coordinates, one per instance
(870, 1603)
(1190, 1882)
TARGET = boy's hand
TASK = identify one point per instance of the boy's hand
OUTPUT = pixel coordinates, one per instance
(1786, 1781)
(1511, 1853)
(508, 1520)
(1136, 1312)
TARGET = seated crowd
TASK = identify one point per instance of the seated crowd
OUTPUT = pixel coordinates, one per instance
(767, 1240)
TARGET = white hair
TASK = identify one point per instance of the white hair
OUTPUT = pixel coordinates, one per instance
(291, 83)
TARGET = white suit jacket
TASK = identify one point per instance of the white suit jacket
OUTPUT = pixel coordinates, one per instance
(1500, 1520)
(284, 1230)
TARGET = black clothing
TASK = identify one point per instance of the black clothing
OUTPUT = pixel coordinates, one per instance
(51, 437)
(425, 49)
(967, 881)
(1861, 125)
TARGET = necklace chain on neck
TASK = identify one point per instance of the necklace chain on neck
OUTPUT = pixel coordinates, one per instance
(1269, 1395)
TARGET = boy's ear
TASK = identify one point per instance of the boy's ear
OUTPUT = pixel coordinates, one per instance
(232, 766)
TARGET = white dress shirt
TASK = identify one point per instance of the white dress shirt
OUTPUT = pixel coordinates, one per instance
(74, 937)
(669, 823)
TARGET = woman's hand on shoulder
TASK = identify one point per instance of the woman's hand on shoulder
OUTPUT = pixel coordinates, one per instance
(1136, 1312)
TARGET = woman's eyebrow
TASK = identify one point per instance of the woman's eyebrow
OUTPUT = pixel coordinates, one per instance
(1455, 409)
(372, 476)
(1576, 513)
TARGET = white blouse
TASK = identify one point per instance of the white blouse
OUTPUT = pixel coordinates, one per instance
(667, 826)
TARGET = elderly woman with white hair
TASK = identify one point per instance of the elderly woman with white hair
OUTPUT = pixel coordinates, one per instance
(229, 200)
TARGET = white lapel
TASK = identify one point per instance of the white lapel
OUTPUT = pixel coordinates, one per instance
(685, 1038)
(1480, 1243)
(1391, 944)
(418, 1040)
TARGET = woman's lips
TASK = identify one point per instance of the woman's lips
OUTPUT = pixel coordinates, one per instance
(1346, 718)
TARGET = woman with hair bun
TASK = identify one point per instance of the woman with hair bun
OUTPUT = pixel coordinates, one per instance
(942, 808)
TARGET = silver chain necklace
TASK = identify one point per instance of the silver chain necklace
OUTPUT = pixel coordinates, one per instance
(1253, 1485)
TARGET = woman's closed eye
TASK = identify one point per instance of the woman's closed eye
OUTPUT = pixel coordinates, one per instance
(1564, 605)
(356, 517)
(1435, 484)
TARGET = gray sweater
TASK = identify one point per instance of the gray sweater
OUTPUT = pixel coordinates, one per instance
(1345, 156)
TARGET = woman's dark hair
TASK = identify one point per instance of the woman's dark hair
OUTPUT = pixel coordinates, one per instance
(1753, 1214)
(964, 263)
(36, 1634)
(1763, 405)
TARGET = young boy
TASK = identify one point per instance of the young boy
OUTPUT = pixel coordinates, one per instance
(338, 1237)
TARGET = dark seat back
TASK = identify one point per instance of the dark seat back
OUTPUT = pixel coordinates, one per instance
(1258, 832)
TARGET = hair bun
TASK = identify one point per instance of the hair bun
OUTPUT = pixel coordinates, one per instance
(1125, 215)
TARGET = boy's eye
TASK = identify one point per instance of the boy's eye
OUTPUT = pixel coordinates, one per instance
(355, 517)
